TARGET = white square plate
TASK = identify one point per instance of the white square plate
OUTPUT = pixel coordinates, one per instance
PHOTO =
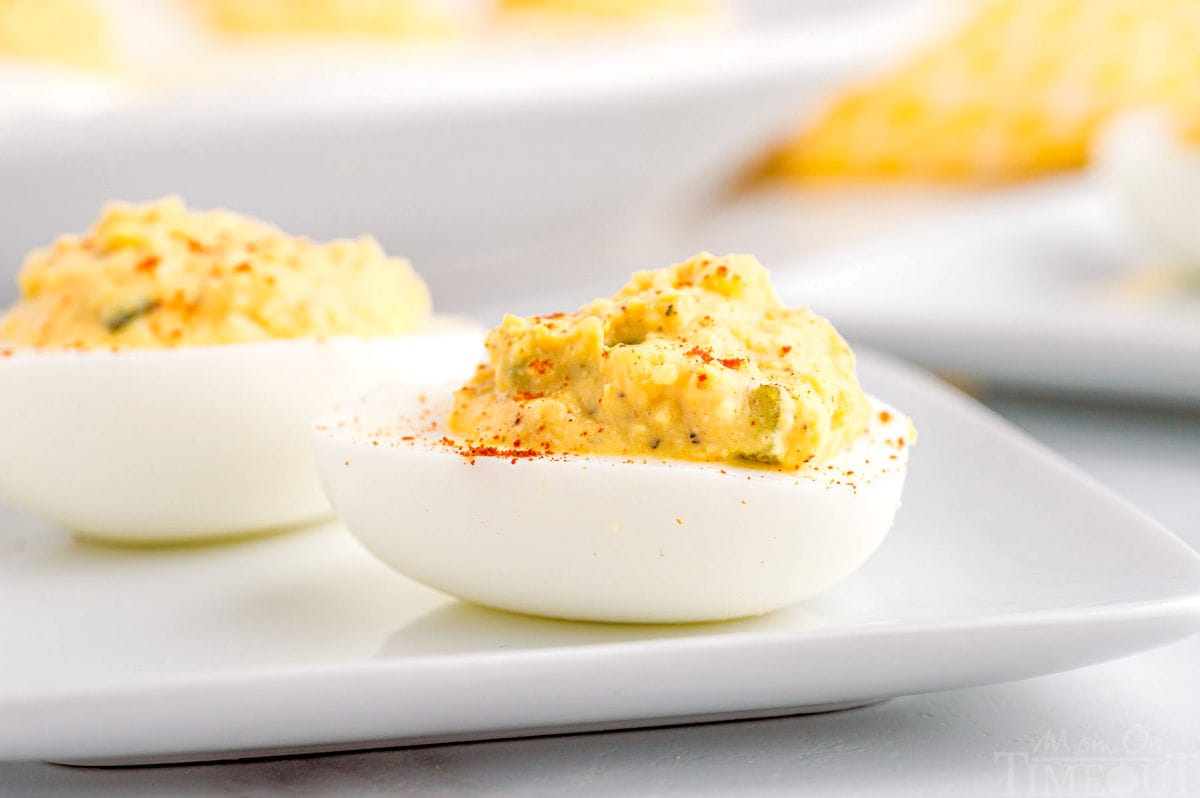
(1044, 285)
(1004, 563)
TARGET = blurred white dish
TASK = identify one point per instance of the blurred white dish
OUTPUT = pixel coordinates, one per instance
(603, 538)
(453, 156)
(1042, 285)
(31, 90)
(1158, 177)
(1004, 563)
(161, 446)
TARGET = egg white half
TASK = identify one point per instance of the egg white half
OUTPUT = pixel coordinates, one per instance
(603, 538)
(158, 446)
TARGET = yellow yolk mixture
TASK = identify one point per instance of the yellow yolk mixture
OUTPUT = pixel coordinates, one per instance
(71, 32)
(1018, 91)
(612, 9)
(699, 361)
(161, 275)
(384, 18)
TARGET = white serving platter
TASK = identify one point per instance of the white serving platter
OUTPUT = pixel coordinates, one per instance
(1004, 563)
(1044, 285)
(449, 156)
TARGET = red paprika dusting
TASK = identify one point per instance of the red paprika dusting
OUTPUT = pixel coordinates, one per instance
(148, 264)
(734, 363)
(704, 355)
(541, 366)
(783, 350)
(885, 416)
(525, 396)
(495, 451)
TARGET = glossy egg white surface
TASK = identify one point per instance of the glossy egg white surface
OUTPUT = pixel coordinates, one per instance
(162, 446)
(602, 538)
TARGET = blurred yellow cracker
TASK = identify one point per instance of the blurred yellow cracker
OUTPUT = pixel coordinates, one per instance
(1019, 90)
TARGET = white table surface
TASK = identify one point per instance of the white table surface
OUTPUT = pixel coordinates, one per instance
(1130, 727)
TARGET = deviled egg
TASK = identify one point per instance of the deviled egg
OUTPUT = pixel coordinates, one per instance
(390, 19)
(1148, 158)
(159, 373)
(57, 58)
(686, 450)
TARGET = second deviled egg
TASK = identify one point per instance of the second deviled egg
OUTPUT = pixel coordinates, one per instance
(159, 372)
(686, 450)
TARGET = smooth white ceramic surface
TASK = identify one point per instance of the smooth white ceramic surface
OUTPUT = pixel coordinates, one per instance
(169, 445)
(1004, 563)
(625, 540)
(455, 156)
(31, 90)
(1043, 285)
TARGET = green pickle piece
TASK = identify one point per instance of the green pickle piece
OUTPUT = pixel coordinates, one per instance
(123, 317)
(766, 405)
(518, 375)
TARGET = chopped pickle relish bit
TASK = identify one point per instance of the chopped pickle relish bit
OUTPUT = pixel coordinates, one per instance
(699, 361)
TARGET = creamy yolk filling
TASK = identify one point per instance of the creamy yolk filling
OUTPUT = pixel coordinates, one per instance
(611, 9)
(699, 361)
(400, 19)
(160, 275)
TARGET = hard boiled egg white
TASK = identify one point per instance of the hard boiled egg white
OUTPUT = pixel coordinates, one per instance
(196, 442)
(602, 538)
